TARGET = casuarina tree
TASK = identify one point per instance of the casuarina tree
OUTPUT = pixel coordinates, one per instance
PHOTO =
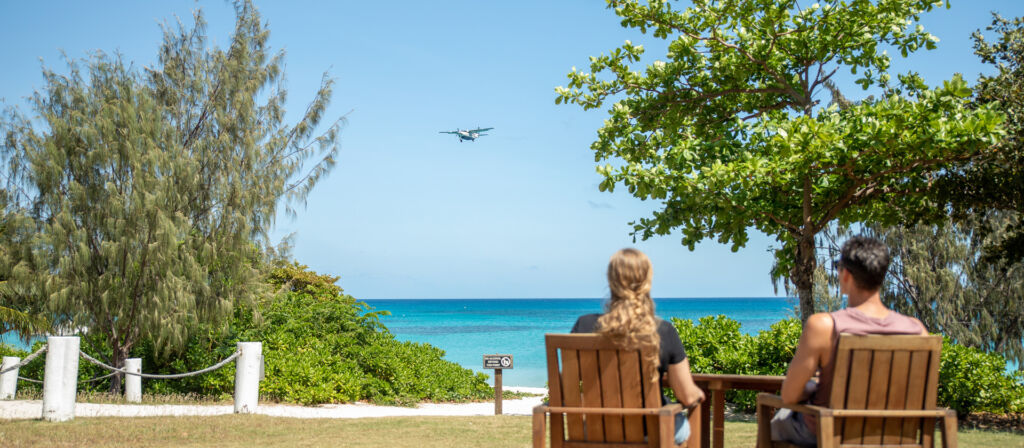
(728, 133)
(155, 190)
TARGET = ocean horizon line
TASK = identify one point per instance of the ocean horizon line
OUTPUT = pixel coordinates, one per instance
(577, 298)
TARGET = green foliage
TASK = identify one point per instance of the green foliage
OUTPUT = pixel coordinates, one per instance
(322, 346)
(35, 369)
(716, 345)
(997, 182)
(971, 380)
(726, 132)
(939, 274)
(154, 191)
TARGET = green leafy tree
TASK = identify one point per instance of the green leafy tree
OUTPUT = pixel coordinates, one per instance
(156, 190)
(997, 182)
(22, 309)
(728, 133)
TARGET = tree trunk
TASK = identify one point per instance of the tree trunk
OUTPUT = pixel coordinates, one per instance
(802, 275)
(117, 360)
(803, 270)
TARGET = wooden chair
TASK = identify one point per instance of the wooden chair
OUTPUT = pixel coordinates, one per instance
(605, 397)
(883, 394)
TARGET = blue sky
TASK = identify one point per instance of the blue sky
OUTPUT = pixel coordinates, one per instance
(410, 213)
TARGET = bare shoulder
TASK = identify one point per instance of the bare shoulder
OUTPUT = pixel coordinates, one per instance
(819, 324)
(924, 330)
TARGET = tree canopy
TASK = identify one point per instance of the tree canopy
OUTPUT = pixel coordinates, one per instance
(940, 276)
(997, 182)
(729, 132)
(155, 190)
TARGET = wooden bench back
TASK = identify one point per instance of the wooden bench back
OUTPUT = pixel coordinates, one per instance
(885, 372)
(588, 371)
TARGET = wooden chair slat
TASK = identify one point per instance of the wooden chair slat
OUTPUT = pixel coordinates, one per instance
(554, 393)
(894, 342)
(652, 398)
(931, 390)
(857, 394)
(892, 431)
(881, 365)
(571, 392)
(591, 379)
(611, 393)
(632, 394)
(840, 377)
(915, 391)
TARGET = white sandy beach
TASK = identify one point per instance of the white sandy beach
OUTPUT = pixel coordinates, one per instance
(32, 409)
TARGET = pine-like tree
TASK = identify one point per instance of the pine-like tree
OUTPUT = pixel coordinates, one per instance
(940, 276)
(156, 190)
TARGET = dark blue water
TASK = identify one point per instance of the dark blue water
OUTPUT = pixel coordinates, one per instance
(467, 329)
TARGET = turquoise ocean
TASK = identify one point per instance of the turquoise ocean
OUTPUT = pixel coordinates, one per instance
(467, 329)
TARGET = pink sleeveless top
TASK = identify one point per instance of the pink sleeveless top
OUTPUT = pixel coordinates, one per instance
(852, 321)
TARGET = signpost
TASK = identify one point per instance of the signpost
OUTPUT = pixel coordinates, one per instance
(497, 362)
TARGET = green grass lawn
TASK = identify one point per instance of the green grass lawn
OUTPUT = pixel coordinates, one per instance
(249, 431)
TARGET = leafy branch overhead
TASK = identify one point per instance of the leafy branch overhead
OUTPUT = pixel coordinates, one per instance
(729, 132)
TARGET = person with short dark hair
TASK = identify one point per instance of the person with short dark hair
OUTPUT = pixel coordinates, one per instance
(862, 266)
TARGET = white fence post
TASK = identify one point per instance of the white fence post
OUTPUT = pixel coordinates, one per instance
(247, 377)
(60, 378)
(9, 380)
(133, 383)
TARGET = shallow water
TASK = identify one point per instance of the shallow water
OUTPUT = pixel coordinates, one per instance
(466, 329)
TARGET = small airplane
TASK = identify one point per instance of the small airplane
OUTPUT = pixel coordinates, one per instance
(469, 134)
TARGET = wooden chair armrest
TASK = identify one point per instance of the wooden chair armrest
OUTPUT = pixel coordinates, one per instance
(888, 413)
(775, 401)
(540, 413)
(673, 408)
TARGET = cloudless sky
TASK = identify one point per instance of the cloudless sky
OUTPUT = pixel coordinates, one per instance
(411, 213)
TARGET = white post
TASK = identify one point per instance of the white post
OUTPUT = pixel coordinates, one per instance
(60, 378)
(247, 377)
(9, 380)
(133, 383)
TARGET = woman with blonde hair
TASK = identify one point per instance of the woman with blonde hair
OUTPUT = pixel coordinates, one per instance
(631, 324)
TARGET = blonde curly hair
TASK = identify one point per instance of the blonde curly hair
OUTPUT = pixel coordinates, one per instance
(629, 321)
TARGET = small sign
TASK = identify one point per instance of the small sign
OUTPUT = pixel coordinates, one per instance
(497, 361)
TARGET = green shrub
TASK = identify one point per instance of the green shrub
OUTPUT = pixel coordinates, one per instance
(320, 346)
(970, 380)
(34, 370)
(716, 345)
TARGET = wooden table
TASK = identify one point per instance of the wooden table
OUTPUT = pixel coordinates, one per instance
(714, 387)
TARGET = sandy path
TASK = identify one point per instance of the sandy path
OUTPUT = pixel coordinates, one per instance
(32, 409)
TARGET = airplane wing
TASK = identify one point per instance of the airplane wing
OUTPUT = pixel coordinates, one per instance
(448, 132)
(480, 130)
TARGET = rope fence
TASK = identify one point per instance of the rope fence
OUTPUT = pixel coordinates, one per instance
(25, 361)
(61, 376)
(90, 380)
(161, 377)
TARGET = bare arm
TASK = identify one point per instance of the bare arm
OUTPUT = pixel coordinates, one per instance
(815, 343)
(681, 382)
